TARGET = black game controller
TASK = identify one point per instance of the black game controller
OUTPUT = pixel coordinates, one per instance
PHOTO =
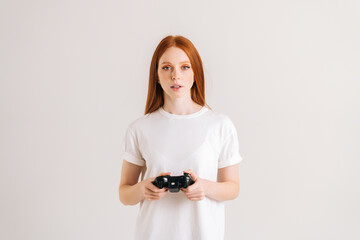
(173, 183)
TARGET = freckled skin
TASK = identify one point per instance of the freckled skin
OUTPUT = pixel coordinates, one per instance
(175, 71)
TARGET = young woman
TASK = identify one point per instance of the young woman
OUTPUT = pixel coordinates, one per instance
(178, 134)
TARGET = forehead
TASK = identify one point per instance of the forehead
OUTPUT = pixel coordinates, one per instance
(174, 55)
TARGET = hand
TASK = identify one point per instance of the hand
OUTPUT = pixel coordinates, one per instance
(152, 192)
(196, 191)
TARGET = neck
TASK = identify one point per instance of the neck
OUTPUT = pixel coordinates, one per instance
(181, 108)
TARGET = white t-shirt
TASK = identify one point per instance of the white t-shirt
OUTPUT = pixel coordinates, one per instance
(203, 141)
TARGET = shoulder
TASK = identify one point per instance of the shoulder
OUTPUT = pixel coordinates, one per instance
(143, 121)
(221, 119)
(224, 128)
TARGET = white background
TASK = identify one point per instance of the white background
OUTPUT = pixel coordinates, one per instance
(74, 74)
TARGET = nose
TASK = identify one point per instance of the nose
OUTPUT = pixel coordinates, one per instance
(175, 75)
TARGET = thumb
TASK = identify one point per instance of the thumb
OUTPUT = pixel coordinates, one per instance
(192, 174)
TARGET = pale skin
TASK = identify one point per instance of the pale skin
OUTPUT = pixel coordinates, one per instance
(175, 68)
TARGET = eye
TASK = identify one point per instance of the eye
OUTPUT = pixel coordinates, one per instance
(165, 68)
(186, 67)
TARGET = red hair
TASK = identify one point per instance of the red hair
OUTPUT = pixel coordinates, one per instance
(155, 97)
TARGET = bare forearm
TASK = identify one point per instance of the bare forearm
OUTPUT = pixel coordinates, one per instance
(130, 194)
(221, 191)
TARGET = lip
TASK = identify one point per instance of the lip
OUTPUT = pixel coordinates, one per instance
(176, 89)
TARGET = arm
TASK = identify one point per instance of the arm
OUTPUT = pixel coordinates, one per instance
(226, 188)
(131, 191)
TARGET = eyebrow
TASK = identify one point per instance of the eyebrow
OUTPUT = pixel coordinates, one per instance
(180, 62)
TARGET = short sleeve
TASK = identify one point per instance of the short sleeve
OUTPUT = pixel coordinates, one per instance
(229, 153)
(130, 149)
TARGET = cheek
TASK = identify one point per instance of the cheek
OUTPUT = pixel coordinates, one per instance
(189, 76)
(162, 74)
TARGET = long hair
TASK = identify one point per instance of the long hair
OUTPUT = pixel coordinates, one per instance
(155, 97)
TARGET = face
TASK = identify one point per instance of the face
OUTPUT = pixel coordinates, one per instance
(175, 68)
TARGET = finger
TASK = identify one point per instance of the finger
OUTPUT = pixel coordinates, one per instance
(165, 173)
(195, 191)
(155, 189)
(158, 191)
(192, 174)
(154, 195)
(196, 199)
(150, 193)
(193, 187)
(150, 198)
(195, 195)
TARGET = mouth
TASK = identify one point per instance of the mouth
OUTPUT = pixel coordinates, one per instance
(176, 86)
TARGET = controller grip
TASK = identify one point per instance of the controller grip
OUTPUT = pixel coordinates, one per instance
(188, 180)
(161, 181)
